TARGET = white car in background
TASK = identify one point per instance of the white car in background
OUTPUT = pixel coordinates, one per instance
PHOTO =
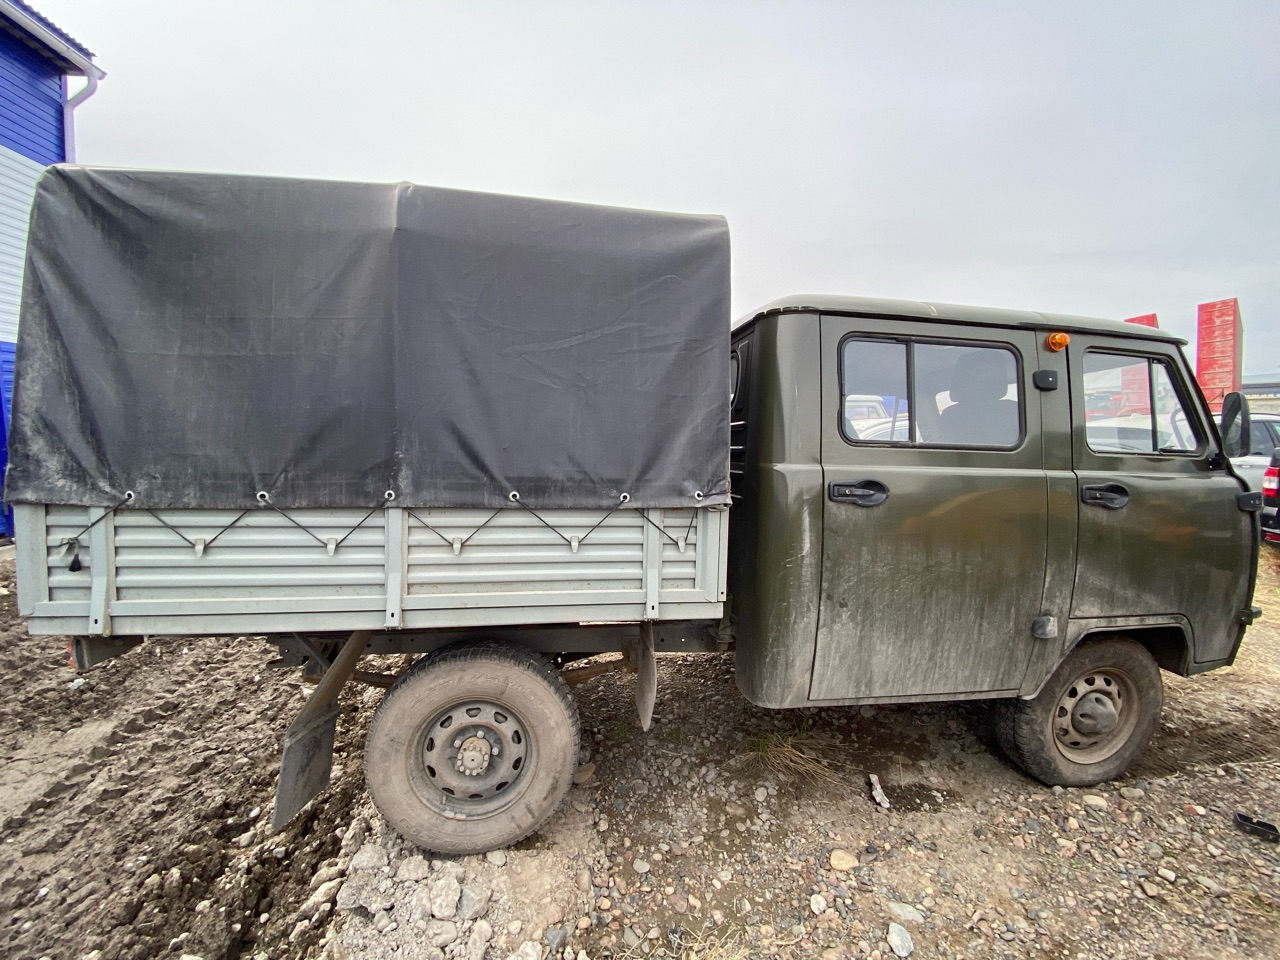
(859, 406)
(1264, 438)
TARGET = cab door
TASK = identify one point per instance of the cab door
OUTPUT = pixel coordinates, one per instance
(1161, 533)
(935, 510)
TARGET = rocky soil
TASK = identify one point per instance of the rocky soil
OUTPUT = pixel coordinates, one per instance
(133, 803)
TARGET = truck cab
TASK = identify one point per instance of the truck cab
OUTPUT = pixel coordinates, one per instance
(1042, 513)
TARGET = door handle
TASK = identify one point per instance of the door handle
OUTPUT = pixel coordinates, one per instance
(863, 493)
(1112, 496)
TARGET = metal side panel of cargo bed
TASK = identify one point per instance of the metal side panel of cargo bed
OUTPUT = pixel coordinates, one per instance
(87, 571)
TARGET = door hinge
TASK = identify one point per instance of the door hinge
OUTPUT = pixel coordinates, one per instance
(1045, 628)
(1249, 502)
(1249, 615)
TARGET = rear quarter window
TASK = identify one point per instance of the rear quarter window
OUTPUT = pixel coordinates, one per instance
(930, 394)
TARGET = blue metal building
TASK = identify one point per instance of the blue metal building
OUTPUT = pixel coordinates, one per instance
(36, 108)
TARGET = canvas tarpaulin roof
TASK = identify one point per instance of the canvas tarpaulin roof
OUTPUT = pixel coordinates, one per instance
(198, 338)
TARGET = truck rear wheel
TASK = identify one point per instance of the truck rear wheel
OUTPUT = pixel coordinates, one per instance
(1091, 720)
(472, 748)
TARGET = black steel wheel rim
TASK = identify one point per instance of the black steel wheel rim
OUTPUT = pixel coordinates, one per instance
(472, 759)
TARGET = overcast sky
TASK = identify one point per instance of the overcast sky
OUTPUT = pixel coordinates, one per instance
(1107, 159)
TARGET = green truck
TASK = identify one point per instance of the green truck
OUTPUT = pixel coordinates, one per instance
(1000, 539)
(510, 435)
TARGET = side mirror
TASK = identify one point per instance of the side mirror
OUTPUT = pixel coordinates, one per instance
(1234, 425)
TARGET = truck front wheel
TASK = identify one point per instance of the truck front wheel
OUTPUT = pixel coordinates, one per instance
(1091, 720)
(473, 748)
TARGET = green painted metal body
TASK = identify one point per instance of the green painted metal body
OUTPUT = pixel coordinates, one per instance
(944, 590)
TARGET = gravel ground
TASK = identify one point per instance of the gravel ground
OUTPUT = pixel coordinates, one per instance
(131, 813)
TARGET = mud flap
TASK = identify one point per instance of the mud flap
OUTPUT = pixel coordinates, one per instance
(646, 675)
(307, 756)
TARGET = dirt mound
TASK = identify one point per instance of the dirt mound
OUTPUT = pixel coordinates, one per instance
(133, 800)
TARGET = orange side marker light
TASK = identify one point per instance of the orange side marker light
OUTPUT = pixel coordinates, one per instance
(1057, 341)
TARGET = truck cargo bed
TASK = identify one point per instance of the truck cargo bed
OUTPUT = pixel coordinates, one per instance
(264, 571)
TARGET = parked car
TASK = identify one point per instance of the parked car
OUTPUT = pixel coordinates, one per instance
(1271, 501)
(1264, 439)
(864, 407)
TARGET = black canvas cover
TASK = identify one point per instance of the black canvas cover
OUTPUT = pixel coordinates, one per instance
(196, 339)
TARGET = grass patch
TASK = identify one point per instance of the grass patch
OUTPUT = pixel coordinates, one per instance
(798, 755)
(712, 947)
(699, 945)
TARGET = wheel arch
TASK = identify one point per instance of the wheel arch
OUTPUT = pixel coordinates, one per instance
(1169, 642)
(1168, 645)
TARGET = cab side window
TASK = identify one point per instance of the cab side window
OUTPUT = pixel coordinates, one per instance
(1132, 405)
(928, 394)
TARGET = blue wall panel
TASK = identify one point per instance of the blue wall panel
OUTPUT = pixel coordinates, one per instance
(6, 396)
(7, 351)
(30, 125)
(30, 102)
